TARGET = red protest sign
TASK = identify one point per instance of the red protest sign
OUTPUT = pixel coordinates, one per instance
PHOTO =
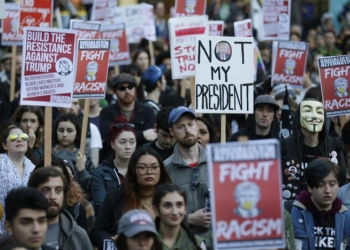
(334, 78)
(190, 7)
(243, 28)
(119, 51)
(216, 28)
(87, 30)
(35, 13)
(48, 67)
(10, 26)
(246, 197)
(92, 69)
(289, 61)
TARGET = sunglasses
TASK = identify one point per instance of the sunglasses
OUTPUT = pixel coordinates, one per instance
(127, 125)
(15, 137)
(195, 175)
(123, 88)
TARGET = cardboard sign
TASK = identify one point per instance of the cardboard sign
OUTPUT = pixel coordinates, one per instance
(334, 78)
(86, 30)
(2, 9)
(35, 13)
(139, 21)
(183, 32)
(103, 10)
(243, 28)
(224, 81)
(109, 245)
(246, 196)
(92, 69)
(216, 28)
(276, 19)
(48, 67)
(10, 26)
(190, 8)
(288, 63)
(119, 51)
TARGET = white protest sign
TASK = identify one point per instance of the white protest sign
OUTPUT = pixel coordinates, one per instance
(103, 10)
(224, 75)
(2, 9)
(86, 29)
(243, 28)
(10, 26)
(216, 28)
(183, 32)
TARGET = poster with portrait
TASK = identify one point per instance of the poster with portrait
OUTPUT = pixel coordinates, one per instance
(334, 79)
(246, 196)
(103, 10)
(35, 13)
(10, 25)
(119, 51)
(86, 29)
(185, 8)
(92, 69)
(243, 28)
(224, 81)
(288, 63)
(48, 67)
(183, 32)
(216, 28)
(276, 19)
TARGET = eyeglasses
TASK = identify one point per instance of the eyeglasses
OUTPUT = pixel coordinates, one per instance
(195, 175)
(144, 170)
(120, 125)
(123, 88)
(15, 137)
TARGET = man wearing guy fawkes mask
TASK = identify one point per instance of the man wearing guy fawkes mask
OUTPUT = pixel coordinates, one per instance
(309, 141)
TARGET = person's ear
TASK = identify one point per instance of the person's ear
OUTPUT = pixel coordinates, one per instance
(112, 145)
(8, 227)
(4, 145)
(171, 131)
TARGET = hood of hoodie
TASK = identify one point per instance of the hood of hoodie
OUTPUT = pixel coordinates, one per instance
(250, 124)
(68, 225)
(109, 162)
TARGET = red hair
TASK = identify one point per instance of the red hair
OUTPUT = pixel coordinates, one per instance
(115, 132)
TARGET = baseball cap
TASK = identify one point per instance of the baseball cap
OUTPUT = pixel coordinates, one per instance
(266, 99)
(151, 75)
(136, 221)
(123, 78)
(176, 113)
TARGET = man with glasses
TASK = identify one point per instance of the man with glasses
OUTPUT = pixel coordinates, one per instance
(187, 167)
(135, 112)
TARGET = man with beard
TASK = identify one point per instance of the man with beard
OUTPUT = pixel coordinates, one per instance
(187, 167)
(309, 141)
(135, 112)
(63, 232)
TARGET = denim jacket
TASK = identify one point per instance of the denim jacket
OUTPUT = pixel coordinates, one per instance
(344, 195)
(304, 228)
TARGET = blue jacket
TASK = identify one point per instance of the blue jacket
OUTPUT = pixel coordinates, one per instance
(304, 227)
(344, 195)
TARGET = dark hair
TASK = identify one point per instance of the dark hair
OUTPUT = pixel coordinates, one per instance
(11, 245)
(212, 135)
(4, 134)
(24, 197)
(131, 69)
(130, 186)
(159, 193)
(345, 135)
(115, 132)
(162, 118)
(70, 117)
(315, 93)
(121, 242)
(162, 56)
(39, 133)
(319, 169)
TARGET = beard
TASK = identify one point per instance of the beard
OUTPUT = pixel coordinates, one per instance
(126, 100)
(188, 142)
(53, 212)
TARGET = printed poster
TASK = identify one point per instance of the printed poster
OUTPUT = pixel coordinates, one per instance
(10, 26)
(224, 82)
(86, 29)
(288, 63)
(48, 67)
(216, 28)
(183, 32)
(246, 198)
(334, 78)
(185, 8)
(243, 28)
(103, 10)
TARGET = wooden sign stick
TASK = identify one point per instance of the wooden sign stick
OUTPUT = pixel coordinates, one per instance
(84, 126)
(48, 136)
(13, 73)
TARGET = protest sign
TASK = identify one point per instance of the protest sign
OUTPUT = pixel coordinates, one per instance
(183, 32)
(48, 67)
(10, 25)
(246, 196)
(103, 10)
(139, 21)
(334, 77)
(216, 28)
(119, 51)
(190, 8)
(288, 63)
(2, 9)
(224, 75)
(276, 19)
(243, 28)
(87, 30)
(35, 13)
(92, 69)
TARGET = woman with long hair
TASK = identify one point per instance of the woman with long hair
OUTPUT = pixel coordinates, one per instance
(112, 171)
(31, 120)
(142, 59)
(145, 172)
(15, 167)
(206, 133)
(169, 204)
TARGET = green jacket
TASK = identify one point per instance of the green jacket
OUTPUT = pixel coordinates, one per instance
(183, 241)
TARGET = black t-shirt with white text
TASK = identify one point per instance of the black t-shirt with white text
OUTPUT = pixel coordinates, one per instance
(324, 231)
